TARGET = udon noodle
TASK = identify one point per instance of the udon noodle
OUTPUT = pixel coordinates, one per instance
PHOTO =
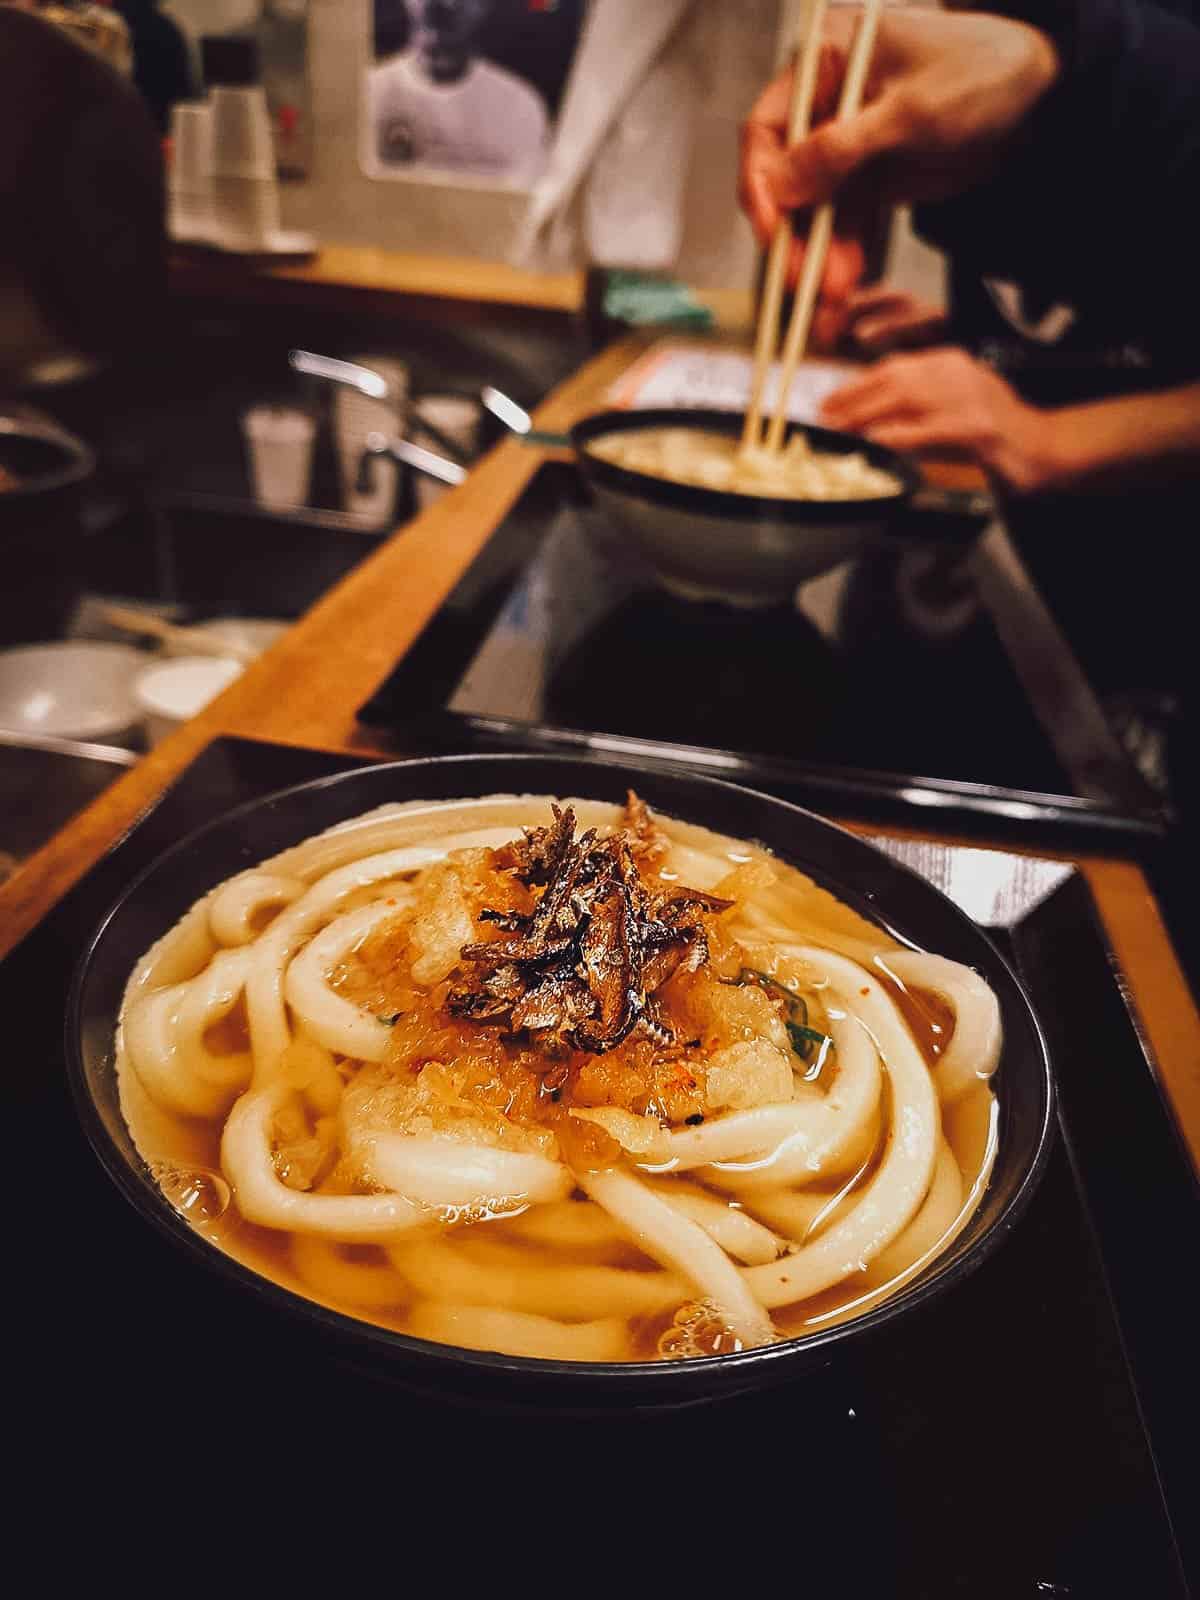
(717, 461)
(632, 1093)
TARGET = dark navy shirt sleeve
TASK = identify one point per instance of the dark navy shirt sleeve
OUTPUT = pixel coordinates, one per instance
(1096, 204)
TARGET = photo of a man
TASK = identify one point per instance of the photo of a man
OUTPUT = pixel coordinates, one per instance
(442, 103)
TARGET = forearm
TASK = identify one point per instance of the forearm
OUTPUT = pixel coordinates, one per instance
(945, 400)
(1113, 441)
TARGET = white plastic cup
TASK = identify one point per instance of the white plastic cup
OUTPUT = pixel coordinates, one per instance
(189, 216)
(242, 142)
(245, 213)
(279, 443)
(169, 694)
(192, 146)
(458, 417)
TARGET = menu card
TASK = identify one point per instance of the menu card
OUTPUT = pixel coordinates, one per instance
(705, 377)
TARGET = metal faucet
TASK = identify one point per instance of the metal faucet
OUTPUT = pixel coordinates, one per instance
(406, 454)
(375, 386)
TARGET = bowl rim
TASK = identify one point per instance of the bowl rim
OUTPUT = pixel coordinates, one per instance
(79, 465)
(63, 647)
(104, 717)
(732, 505)
(753, 1365)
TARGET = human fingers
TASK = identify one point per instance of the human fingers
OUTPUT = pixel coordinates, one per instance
(928, 379)
(761, 165)
(845, 263)
(911, 324)
(858, 392)
(828, 326)
(886, 404)
(770, 110)
(936, 431)
(878, 296)
(817, 167)
(761, 176)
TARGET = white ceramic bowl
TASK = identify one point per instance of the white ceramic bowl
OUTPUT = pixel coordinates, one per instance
(741, 549)
(71, 690)
(169, 694)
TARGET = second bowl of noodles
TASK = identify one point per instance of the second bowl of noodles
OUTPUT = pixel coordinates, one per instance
(576, 1080)
(715, 524)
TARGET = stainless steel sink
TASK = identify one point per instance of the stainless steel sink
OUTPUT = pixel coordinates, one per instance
(207, 556)
(43, 783)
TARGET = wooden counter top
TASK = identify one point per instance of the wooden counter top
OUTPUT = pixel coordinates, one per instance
(304, 691)
(341, 274)
(367, 270)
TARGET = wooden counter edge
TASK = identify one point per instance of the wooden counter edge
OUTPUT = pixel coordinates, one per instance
(345, 270)
(305, 689)
(357, 269)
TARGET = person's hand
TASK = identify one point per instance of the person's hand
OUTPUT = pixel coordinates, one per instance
(764, 177)
(946, 401)
(880, 319)
(944, 94)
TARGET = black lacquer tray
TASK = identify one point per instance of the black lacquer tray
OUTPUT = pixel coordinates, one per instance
(927, 679)
(928, 667)
(1031, 1435)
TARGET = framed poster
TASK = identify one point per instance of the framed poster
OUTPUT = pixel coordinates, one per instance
(466, 91)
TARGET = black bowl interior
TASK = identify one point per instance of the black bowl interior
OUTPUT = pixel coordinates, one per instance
(740, 507)
(890, 894)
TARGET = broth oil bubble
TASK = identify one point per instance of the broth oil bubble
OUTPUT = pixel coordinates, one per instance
(197, 1193)
(699, 1328)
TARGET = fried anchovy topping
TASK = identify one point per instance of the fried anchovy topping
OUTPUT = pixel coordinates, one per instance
(580, 971)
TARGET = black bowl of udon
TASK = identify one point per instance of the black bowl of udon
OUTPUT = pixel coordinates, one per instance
(713, 526)
(626, 1103)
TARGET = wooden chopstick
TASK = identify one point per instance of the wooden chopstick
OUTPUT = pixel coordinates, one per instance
(804, 87)
(821, 232)
(195, 639)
